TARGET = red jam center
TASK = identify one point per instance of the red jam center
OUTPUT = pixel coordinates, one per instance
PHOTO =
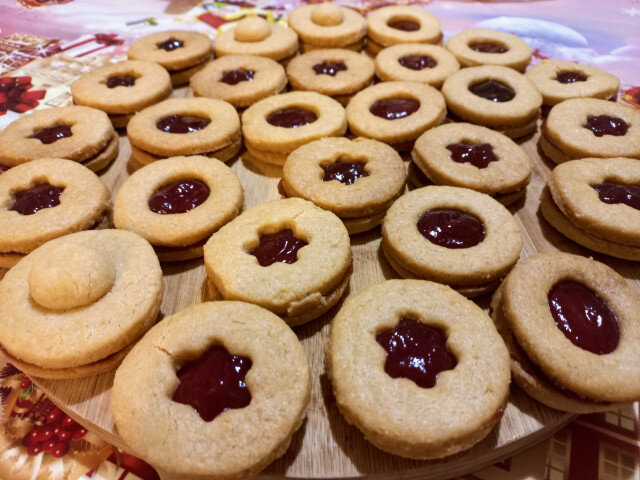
(602, 125)
(281, 247)
(329, 68)
(291, 117)
(214, 383)
(234, 77)
(394, 108)
(170, 44)
(451, 228)
(477, 154)
(344, 172)
(52, 134)
(416, 351)
(405, 25)
(417, 62)
(613, 193)
(493, 90)
(570, 77)
(39, 197)
(121, 81)
(179, 197)
(584, 318)
(182, 124)
(488, 47)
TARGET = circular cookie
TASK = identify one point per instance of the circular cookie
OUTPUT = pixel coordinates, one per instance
(241, 80)
(401, 24)
(98, 290)
(288, 256)
(327, 25)
(418, 368)
(277, 125)
(578, 321)
(470, 156)
(589, 127)
(395, 112)
(482, 46)
(416, 62)
(355, 179)
(82, 134)
(45, 199)
(177, 203)
(122, 89)
(214, 391)
(451, 235)
(337, 73)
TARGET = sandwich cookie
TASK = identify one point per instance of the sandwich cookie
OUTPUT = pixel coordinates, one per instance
(482, 46)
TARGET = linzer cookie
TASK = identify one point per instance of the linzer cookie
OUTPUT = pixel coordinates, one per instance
(185, 126)
(355, 179)
(122, 89)
(576, 323)
(337, 73)
(482, 46)
(82, 134)
(451, 235)
(288, 256)
(45, 199)
(182, 53)
(588, 127)
(495, 97)
(277, 125)
(470, 156)
(192, 394)
(177, 203)
(396, 113)
(418, 368)
(241, 80)
(99, 290)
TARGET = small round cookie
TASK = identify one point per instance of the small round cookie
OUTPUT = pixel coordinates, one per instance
(241, 80)
(122, 89)
(418, 368)
(589, 127)
(396, 113)
(459, 237)
(181, 52)
(336, 72)
(416, 62)
(46, 199)
(470, 156)
(327, 25)
(214, 391)
(578, 321)
(277, 125)
(355, 179)
(495, 97)
(392, 25)
(481, 46)
(287, 256)
(82, 134)
(185, 126)
(256, 36)
(99, 290)
(178, 203)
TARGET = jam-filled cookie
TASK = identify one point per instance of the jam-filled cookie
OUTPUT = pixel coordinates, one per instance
(241, 80)
(334, 72)
(214, 391)
(459, 237)
(418, 368)
(185, 126)
(396, 113)
(482, 46)
(82, 134)
(589, 127)
(578, 324)
(99, 290)
(328, 26)
(470, 156)
(277, 125)
(180, 52)
(288, 256)
(355, 179)
(122, 89)
(416, 62)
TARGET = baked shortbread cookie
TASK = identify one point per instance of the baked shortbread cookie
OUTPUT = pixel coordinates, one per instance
(482, 46)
